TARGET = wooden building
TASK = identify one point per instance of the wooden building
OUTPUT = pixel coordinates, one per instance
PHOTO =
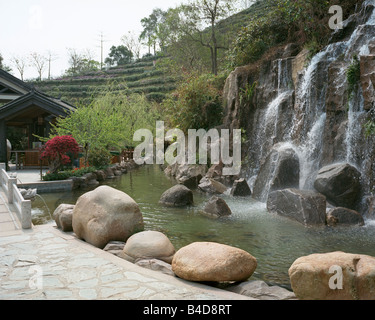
(24, 107)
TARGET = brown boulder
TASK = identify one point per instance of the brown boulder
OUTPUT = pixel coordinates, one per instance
(106, 214)
(318, 277)
(210, 261)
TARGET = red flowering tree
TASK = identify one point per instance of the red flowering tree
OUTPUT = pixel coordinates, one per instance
(56, 149)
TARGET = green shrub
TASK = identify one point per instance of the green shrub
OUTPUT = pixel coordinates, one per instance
(353, 75)
(99, 158)
(195, 104)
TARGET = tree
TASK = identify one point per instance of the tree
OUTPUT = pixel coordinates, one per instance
(56, 149)
(81, 62)
(39, 63)
(150, 26)
(120, 55)
(200, 18)
(3, 66)
(109, 122)
(20, 64)
(132, 43)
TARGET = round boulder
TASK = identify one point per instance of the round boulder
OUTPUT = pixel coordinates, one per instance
(344, 216)
(210, 261)
(148, 245)
(106, 214)
(177, 196)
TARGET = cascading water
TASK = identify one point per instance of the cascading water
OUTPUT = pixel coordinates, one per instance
(313, 114)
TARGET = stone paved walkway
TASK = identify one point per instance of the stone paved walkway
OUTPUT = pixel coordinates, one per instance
(45, 263)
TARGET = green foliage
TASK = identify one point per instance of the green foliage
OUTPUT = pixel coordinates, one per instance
(109, 122)
(370, 128)
(195, 104)
(247, 93)
(119, 55)
(353, 75)
(63, 175)
(99, 158)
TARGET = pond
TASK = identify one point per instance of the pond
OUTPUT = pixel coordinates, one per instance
(275, 241)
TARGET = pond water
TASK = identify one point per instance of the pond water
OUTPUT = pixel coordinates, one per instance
(275, 241)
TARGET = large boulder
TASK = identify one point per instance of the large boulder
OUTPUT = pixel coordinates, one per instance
(281, 170)
(217, 207)
(240, 188)
(106, 214)
(333, 276)
(148, 245)
(177, 196)
(260, 290)
(340, 183)
(344, 216)
(210, 261)
(306, 207)
(63, 216)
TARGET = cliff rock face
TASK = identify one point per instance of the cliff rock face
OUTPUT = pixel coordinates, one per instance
(305, 104)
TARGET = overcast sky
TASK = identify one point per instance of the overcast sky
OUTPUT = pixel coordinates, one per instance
(48, 25)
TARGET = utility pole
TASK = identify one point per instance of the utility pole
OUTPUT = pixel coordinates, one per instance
(51, 57)
(102, 50)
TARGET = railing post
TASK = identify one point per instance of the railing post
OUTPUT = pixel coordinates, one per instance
(11, 182)
(26, 214)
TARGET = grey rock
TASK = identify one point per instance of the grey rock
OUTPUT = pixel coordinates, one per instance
(156, 265)
(260, 290)
(281, 170)
(344, 216)
(340, 183)
(217, 207)
(240, 188)
(306, 207)
(177, 196)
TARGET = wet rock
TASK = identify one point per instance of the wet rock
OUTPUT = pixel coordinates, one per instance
(281, 170)
(306, 207)
(260, 290)
(217, 207)
(106, 214)
(190, 174)
(212, 186)
(340, 183)
(344, 216)
(367, 64)
(240, 188)
(317, 277)
(177, 196)
(210, 261)
(63, 216)
(148, 245)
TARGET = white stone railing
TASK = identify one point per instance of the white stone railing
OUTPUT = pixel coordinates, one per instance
(22, 206)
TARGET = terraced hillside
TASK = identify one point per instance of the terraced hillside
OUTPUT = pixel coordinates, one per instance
(140, 77)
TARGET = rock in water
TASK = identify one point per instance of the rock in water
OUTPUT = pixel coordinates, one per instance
(240, 188)
(177, 196)
(340, 183)
(344, 216)
(333, 276)
(306, 207)
(280, 170)
(217, 208)
(148, 245)
(210, 261)
(106, 214)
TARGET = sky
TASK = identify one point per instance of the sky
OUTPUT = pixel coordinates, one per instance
(45, 26)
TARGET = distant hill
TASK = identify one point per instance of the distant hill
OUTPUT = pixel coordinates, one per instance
(141, 76)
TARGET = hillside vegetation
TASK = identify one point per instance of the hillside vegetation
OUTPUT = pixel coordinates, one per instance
(135, 77)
